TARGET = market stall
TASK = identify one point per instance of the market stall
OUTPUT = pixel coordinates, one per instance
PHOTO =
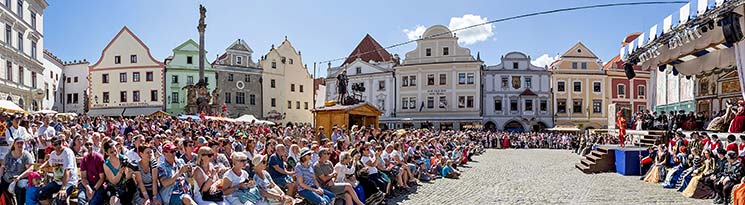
(346, 116)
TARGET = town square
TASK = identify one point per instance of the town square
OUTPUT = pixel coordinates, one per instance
(251, 102)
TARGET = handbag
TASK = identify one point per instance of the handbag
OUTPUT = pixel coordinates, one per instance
(213, 197)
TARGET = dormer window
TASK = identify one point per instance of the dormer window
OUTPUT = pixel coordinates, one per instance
(428, 52)
(359, 70)
(239, 60)
(274, 64)
(515, 65)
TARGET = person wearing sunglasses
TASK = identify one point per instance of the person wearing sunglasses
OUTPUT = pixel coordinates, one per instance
(91, 168)
(62, 160)
(271, 192)
(171, 175)
(208, 180)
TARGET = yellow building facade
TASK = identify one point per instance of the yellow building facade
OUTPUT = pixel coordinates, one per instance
(578, 85)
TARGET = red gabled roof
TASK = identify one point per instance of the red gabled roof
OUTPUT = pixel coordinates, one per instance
(612, 63)
(369, 49)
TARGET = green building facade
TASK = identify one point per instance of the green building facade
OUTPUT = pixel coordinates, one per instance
(182, 69)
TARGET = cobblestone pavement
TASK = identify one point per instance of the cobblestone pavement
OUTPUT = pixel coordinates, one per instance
(539, 177)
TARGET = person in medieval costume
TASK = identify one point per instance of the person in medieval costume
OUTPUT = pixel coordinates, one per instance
(738, 124)
(621, 124)
(342, 81)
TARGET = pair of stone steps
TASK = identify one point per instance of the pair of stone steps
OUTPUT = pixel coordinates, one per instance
(600, 160)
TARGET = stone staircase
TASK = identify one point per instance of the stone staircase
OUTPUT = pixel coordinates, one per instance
(653, 138)
(600, 160)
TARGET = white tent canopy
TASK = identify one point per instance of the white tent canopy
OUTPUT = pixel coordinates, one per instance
(8, 106)
(247, 118)
(46, 112)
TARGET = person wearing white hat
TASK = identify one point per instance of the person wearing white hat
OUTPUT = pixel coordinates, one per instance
(308, 187)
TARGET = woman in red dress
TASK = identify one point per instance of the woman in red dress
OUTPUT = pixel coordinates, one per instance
(738, 124)
(621, 124)
(690, 122)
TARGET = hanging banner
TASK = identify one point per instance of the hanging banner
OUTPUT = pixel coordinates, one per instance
(685, 13)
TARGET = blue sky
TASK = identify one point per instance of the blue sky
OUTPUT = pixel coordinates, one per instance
(323, 30)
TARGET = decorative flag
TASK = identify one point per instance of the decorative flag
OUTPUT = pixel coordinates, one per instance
(631, 47)
(652, 33)
(623, 52)
(641, 39)
(718, 2)
(667, 24)
(702, 6)
(685, 13)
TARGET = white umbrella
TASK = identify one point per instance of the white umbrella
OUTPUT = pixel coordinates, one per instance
(11, 107)
(46, 112)
(247, 118)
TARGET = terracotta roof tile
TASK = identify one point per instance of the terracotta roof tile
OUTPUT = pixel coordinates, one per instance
(369, 49)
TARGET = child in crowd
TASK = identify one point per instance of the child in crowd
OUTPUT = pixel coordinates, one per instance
(449, 172)
(34, 182)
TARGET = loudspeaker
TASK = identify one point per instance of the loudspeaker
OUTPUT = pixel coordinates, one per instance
(628, 68)
(731, 27)
(675, 71)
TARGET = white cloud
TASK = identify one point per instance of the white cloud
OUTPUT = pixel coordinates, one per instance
(415, 33)
(544, 60)
(471, 35)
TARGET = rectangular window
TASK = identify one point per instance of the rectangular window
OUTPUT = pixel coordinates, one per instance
(75, 98)
(33, 80)
(297, 105)
(513, 105)
(174, 97)
(136, 96)
(528, 82)
(149, 76)
(132, 58)
(561, 86)
(153, 95)
(428, 52)
(597, 106)
(381, 85)
(561, 106)
(291, 61)
(21, 77)
(584, 66)
(240, 98)
(75, 79)
(20, 8)
(470, 78)
(252, 99)
(105, 97)
(621, 89)
(20, 41)
(430, 102)
(515, 65)
(228, 98)
(498, 105)
(274, 64)
(69, 79)
(122, 77)
(190, 80)
(189, 60)
(469, 101)
(574, 65)
(33, 49)
(239, 60)
(123, 96)
(69, 98)
(445, 51)
(117, 59)
(577, 86)
(274, 102)
(136, 77)
(528, 105)
(412, 80)
(430, 79)
(412, 103)
(443, 102)
(443, 79)
(174, 79)
(358, 70)
(306, 105)
(246, 78)
(576, 106)
(505, 82)
(640, 108)
(273, 85)
(641, 90)
(596, 87)
(544, 106)
(404, 103)
(104, 78)
(461, 78)
(405, 81)
(289, 104)
(8, 35)
(292, 87)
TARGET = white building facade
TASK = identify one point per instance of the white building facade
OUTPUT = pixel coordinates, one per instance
(438, 85)
(53, 68)
(287, 86)
(517, 95)
(20, 52)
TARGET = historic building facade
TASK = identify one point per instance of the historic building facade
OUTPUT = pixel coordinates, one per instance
(579, 91)
(438, 84)
(239, 81)
(182, 69)
(73, 90)
(674, 92)
(126, 80)
(288, 86)
(371, 67)
(516, 95)
(21, 51)
(628, 94)
(714, 89)
(53, 68)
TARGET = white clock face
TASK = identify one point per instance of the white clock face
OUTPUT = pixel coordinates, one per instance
(240, 85)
